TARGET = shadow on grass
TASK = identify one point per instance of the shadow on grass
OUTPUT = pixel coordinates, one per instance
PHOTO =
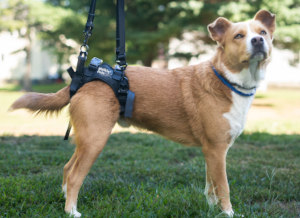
(142, 175)
(42, 88)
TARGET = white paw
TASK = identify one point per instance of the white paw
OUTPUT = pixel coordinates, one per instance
(229, 213)
(64, 189)
(211, 198)
(74, 213)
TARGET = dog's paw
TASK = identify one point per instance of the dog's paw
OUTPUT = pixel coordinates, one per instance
(74, 213)
(212, 200)
(211, 197)
(229, 213)
(64, 190)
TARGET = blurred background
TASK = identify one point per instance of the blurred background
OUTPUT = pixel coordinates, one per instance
(40, 39)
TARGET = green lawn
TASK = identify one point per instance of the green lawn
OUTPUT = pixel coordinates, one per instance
(153, 178)
(144, 175)
(52, 87)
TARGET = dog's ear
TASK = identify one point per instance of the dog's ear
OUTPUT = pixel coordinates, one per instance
(218, 28)
(267, 19)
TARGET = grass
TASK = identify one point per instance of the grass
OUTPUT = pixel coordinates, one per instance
(44, 88)
(277, 112)
(144, 175)
(21, 122)
(153, 178)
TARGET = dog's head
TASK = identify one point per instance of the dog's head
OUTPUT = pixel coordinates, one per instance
(244, 42)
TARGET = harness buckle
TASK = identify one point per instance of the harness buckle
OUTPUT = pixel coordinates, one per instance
(95, 63)
(118, 73)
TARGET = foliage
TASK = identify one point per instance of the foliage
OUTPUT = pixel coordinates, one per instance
(149, 24)
(12, 14)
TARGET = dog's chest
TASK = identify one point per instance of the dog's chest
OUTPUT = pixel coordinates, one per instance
(238, 114)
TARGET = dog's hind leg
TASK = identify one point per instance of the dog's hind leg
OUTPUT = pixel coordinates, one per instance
(93, 116)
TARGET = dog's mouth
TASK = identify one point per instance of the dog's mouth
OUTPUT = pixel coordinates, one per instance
(259, 55)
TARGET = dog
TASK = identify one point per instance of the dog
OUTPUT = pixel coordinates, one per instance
(198, 105)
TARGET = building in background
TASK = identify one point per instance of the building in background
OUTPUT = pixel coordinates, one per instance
(13, 59)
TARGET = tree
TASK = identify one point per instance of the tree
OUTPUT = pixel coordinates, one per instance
(149, 26)
(29, 17)
(14, 17)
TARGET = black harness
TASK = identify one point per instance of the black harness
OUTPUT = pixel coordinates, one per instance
(97, 70)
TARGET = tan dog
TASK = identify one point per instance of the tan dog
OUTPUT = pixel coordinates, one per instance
(189, 105)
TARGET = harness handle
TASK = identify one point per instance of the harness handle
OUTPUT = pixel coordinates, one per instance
(89, 26)
(120, 35)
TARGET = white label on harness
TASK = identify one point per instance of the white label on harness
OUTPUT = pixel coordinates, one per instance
(104, 71)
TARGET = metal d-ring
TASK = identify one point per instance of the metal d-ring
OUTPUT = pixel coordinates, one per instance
(84, 48)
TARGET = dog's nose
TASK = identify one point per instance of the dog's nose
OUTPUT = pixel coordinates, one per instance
(257, 41)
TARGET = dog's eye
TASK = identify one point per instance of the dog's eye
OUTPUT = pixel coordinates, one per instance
(239, 36)
(263, 32)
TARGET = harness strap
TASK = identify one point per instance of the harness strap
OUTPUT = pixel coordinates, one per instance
(89, 26)
(120, 35)
(68, 131)
(78, 75)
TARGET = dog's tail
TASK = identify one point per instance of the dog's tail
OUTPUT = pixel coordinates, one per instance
(38, 102)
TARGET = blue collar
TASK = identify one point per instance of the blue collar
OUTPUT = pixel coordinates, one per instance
(230, 85)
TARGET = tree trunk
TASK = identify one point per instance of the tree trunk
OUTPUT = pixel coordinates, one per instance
(27, 76)
(148, 59)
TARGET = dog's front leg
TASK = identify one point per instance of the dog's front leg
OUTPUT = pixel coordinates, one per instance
(67, 169)
(217, 188)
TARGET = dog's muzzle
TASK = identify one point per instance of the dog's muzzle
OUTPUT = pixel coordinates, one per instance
(258, 48)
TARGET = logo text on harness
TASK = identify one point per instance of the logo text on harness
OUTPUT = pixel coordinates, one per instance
(104, 71)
